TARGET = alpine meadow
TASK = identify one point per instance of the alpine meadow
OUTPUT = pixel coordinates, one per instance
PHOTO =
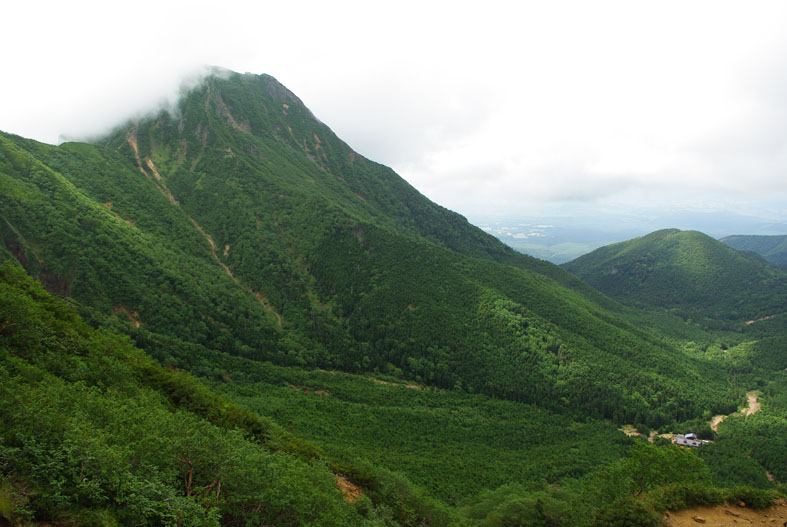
(221, 314)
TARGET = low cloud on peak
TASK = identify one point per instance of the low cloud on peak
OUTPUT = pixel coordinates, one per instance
(498, 105)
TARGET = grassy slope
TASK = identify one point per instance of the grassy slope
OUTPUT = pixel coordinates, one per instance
(401, 309)
(124, 261)
(452, 443)
(95, 432)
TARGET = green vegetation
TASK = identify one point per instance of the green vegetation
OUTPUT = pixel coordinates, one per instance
(84, 440)
(252, 315)
(412, 429)
(772, 248)
(335, 263)
(95, 432)
(689, 274)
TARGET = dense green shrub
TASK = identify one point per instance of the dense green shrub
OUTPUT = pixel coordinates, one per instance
(752, 497)
(627, 512)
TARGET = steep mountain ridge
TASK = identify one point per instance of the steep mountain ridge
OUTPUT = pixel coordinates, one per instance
(241, 223)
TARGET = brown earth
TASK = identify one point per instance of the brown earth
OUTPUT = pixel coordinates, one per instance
(750, 322)
(716, 421)
(752, 407)
(754, 404)
(629, 430)
(351, 491)
(728, 516)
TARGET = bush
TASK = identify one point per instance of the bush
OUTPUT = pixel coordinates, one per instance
(754, 498)
(14, 500)
(680, 496)
(627, 512)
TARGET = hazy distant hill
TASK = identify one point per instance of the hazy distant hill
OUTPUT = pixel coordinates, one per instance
(685, 271)
(772, 248)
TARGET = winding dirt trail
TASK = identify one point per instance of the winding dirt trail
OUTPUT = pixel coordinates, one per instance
(750, 322)
(752, 407)
(131, 137)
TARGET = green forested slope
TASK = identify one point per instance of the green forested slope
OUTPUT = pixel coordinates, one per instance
(156, 266)
(772, 248)
(242, 224)
(96, 433)
(688, 273)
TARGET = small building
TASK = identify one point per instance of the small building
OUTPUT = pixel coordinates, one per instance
(689, 440)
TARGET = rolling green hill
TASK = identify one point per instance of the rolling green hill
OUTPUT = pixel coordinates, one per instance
(772, 248)
(688, 273)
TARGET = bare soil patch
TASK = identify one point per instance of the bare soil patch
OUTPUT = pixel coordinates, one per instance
(132, 316)
(350, 490)
(728, 516)
(629, 430)
(750, 322)
(754, 404)
(716, 421)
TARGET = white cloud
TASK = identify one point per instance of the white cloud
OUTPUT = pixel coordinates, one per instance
(491, 105)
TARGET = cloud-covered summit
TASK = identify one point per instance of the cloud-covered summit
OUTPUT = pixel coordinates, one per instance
(494, 106)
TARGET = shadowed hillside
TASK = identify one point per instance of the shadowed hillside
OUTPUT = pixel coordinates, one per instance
(772, 248)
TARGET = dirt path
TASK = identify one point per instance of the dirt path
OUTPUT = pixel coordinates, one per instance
(131, 137)
(752, 407)
(629, 430)
(750, 322)
(728, 516)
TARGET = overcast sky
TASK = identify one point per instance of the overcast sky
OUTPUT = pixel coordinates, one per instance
(484, 106)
